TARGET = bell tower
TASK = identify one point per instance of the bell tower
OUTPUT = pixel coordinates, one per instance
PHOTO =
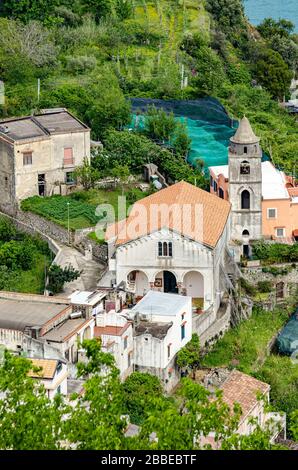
(245, 185)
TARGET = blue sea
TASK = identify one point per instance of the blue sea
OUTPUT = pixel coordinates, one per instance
(257, 10)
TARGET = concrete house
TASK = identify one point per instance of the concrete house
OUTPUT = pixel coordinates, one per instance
(253, 397)
(162, 326)
(116, 334)
(52, 374)
(39, 154)
(42, 327)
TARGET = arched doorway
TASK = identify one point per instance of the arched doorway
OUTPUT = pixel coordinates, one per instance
(193, 283)
(165, 281)
(137, 283)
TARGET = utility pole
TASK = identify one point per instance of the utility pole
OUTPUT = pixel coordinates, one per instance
(68, 228)
(38, 89)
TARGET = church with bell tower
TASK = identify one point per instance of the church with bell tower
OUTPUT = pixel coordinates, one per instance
(245, 184)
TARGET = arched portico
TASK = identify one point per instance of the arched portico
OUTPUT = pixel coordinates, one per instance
(193, 285)
(166, 281)
(137, 282)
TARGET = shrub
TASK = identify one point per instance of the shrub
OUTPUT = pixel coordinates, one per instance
(264, 286)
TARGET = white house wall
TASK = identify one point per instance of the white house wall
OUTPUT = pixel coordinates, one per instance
(187, 256)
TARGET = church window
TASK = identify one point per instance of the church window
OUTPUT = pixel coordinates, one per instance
(221, 193)
(245, 149)
(245, 233)
(215, 186)
(244, 168)
(165, 249)
(245, 199)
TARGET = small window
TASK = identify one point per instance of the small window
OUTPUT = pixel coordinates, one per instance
(165, 249)
(244, 168)
(271, 213)
(211, 182)
(169, 350)
(129, 360)
(215, 186)
(245, 233)
(221, 193)
(6, 182)
(182, 332)
(27, 158)
(280, 232)
(69, 177)
(245, 149)
(245, 199)
(68, 156)
(125, 343)
(159, 249)
(59, 390)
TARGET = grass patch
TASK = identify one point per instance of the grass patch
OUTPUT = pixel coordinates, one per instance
(247, 343)
(82, 206)
(32, 281)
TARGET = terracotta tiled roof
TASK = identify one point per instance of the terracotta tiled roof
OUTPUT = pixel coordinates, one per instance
(293, 192)
(110, 330)
(243, 389)
(215, 212)
(48, 368)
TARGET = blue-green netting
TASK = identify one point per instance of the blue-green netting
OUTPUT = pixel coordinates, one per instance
(209, 126)
(287, 340)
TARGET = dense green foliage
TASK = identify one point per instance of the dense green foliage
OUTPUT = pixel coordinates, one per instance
(92, 55)
(246, 348)
(139, 390)
(275, 252)
(23, 260)
(58, 276)
(29, 420)
(189, 356)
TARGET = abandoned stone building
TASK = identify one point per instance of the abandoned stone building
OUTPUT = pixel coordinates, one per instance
(39, 154)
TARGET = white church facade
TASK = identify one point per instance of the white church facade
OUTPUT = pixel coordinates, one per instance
(174, 241)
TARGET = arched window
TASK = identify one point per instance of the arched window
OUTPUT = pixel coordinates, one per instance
(244, 168)
(165, 249)
(159, 249)
(245, 149)
(245, 233)
(245, 199)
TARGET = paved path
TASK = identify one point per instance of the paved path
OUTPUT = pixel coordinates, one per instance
(90, 270)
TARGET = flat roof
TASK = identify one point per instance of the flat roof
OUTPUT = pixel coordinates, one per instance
(273, 182)
(87, 297)
(48, 122)
(220, 170)
(64, 330)
(160, 303)
(19, 314)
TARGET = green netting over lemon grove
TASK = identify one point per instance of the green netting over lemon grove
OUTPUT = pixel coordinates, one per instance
(209, 126)
(287, 340)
